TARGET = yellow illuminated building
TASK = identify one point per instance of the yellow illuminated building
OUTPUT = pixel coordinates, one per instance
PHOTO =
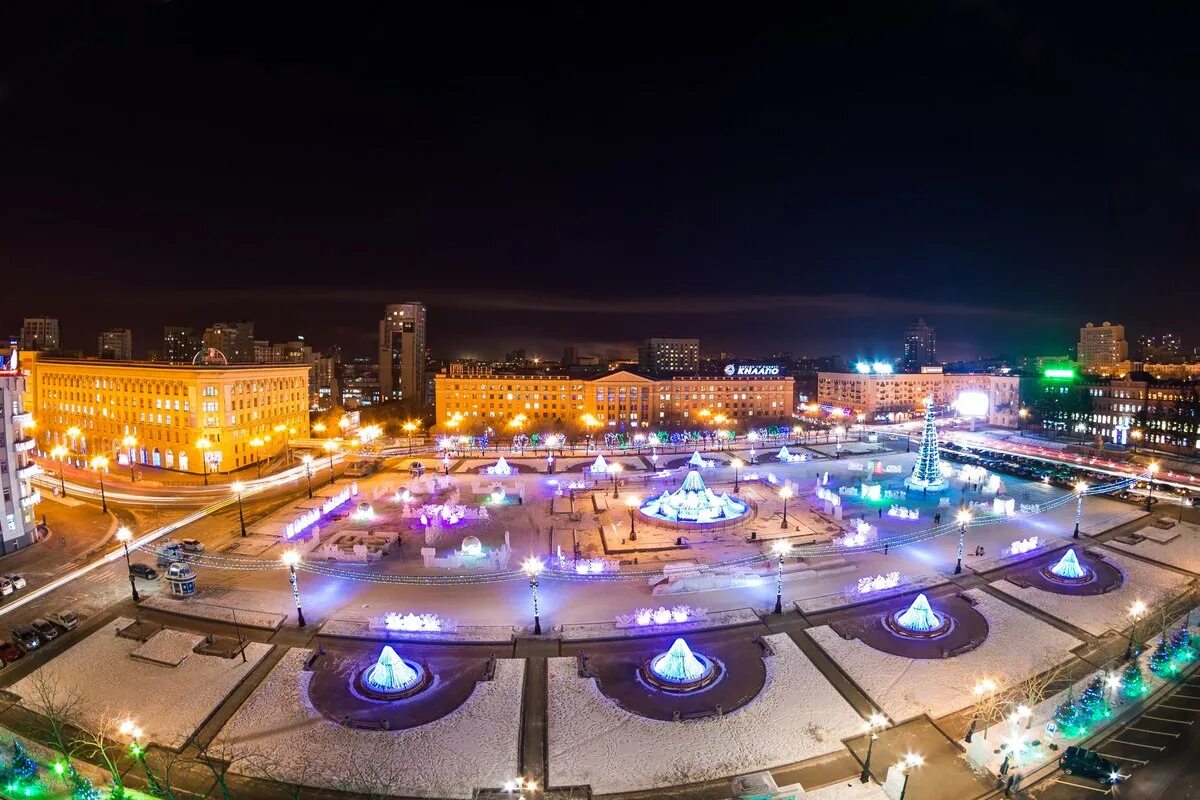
(622, 400)
(173, 416)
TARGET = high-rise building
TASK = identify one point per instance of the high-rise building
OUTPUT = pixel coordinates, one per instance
(18, 524)
(180, 344)
(402, 353)
(920, 346)
(116, 343)
(1103, 350)
(1164, 348)
(236, 341)
(669, 356)
(40, 333)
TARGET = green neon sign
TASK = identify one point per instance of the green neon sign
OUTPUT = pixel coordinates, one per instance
(1059, 372)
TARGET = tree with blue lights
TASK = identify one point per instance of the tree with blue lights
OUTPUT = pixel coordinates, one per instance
(1160, 659)
(1133, 681)
(22, 768)
(927, 472)
(1092, 705)
(1069, 715)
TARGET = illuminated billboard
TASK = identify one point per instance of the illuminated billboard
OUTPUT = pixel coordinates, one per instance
(972, 404)
(1061, 373)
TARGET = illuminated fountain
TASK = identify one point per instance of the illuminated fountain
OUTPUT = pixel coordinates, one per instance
(599, 466)
(695, 503)
(787, 456)
(501, 467)
(392, 677)
(1068, 570)
(679, 670)
(696, 462)
(919, 621)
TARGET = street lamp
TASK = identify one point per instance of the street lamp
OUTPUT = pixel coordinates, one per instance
(520, 785)
(331, 448)
(308, 459)
(906, 766)
(838, 430)
(203, 444)
(614, 470)
(875, 723)
(737, 466)
(238, 487)
(319, 427)
(291, 558)
(532, 567)
(130, 729)
(59, 454)
(73, 434)
(781, 548)
(100, 464)
(409, 429)
(1153, 468)
(964, 519)
(862, 425)
(785, 493)
(1135, 612)
(1080, 490)
(130, 442)
(631, 503)
(123, 536)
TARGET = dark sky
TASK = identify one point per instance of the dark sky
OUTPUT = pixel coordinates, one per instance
(600, 173)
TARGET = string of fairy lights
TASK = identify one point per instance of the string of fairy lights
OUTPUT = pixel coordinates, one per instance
(567, 571)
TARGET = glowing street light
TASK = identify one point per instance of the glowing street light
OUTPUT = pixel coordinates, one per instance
(964, 519)
(785, 493)
(239, 487)
(318, 427)
(130, 443)
(1080, 489)
(307, 460)
(123, 536)
(257, 444)
(781, 548)
(331, 448)
(291, 558)
(737, 467)
(59, 454)
(409, 429)
(520, 785)
(128, 728)
(614, 470)
(203, 444)
(73, 434)
(532, 567)
(906, 766)
(1150, 470)
(100, 464)
(631, 503)
(1135, 612)
(875, 723)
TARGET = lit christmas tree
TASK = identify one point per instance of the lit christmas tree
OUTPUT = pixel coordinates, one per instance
(1160, 660)
(1093, 707)
(83, 788)
(23, 768)
(1069, 716)
(1133, 682)
(927, 472)
(1181, 645)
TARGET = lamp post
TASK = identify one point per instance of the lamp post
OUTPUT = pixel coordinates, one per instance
(123, 536)
(549, 463)
(238, 487)
(1080, 490)
(59, 454)
(532, 567)
(838, 430)
(862, 425)
(202, 444)
(130, 444)
(1150, 470)
(737, 467)
(631, 503)
(520, 785)
(331, 448)
(964, 519)
(100, 464)
(257, 444)
(73, 434)
(781, 548)
(409, 428)
(785, 493)
(875, 723)
(292, 558)
(1135, 611)
(614, 470)
(906, 767)
(307, 460)
(129, 728)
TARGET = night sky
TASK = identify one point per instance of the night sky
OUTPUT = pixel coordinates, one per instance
(594, 174)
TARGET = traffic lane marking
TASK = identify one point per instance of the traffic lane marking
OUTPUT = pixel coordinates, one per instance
(1106, 790)
(1136, 744)
(1125, 758)
(1154, 733)
(1168, 719)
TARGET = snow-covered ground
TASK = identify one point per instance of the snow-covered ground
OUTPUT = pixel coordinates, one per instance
(169, 703)
(1182, 552)
(846, 790)
(476, 745)
(797, 715)
(1017, 646)
(1099, 613)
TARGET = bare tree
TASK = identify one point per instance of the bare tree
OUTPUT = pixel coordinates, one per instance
(989, 700)
(373, 772)
(59, 702)
(294, 775)
(101, 742)
(218, 756)
(1037, 688)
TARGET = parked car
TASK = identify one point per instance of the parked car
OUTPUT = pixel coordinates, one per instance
(9, 653)
(6, 586)
(1089, 764)
(66, 619)
(193, 546)
(144, 571)
(17, 581)
(26, 637)
(45, 629)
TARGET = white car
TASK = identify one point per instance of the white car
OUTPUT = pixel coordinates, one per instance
(6, 586)
(193, 546)
(17, 581)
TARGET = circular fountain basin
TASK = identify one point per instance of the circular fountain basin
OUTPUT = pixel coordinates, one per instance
(666, 684)
(367, 683)
(944, 626)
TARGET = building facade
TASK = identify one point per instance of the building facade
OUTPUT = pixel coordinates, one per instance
(1103, 350)
(619, 401)
(920, 347)
(115, 343)
(669, 357)
(402, 353)
(180, 344)
(235, 342)
(886, 397)
(172, 410)
(18, 514)
(40, 333)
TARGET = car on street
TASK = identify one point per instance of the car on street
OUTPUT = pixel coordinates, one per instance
(1089, 764)
(6, 587)
(144, 571)
(66, 619)
(9, 653)
(193, 546)
(26, 637)
(45, 629)
(17, 581)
